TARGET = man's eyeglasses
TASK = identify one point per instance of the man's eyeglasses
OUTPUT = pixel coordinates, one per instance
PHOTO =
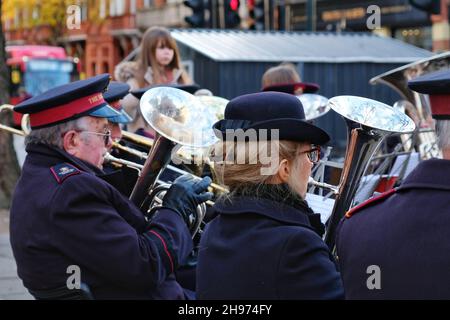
(106, 135)
(313, 154)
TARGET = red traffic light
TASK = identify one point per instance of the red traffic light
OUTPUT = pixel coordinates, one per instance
(234, 5)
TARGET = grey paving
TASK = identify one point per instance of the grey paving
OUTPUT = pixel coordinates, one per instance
(11, 287)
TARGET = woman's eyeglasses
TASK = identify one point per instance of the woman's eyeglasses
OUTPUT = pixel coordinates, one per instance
(313, 154)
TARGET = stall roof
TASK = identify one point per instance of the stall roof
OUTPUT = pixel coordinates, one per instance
(275, 46)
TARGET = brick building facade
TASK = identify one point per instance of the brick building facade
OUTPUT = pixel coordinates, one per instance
(102, 44)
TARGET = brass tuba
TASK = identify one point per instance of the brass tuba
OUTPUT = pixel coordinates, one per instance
(368, 123)
(178, 118)
(416, 105)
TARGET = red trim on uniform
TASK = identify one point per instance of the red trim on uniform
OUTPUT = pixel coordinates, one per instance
(116, 105)
(55, 175)
(61, 180)
(440, 104)
(353, 210)
(66, 111)
(165, 248)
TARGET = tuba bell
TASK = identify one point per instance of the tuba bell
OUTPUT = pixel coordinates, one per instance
(314, 105)
(215, 107)
(416, 105)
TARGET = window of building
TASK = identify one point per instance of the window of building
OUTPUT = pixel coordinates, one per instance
(132, 6)
(102, 12)
(419, 37)
(84, 11)
(105, 67)
(117, 8)
(35, 14)
(16, 18)
(112, 8)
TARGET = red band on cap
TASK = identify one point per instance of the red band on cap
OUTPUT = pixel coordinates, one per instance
(116, 105)
(299, 86)
(440, 105)
(66, 111)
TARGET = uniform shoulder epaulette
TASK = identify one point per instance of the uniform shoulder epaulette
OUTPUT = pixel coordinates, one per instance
(64, 170)
(368, 202)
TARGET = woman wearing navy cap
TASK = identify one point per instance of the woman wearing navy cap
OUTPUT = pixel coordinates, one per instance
(265, 242)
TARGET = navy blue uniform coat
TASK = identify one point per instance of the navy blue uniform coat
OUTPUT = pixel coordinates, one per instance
(84, 221)
(406, 234)
(262, 249)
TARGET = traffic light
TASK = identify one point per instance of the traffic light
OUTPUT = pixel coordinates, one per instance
(232, 18)
(430, 6)
(257, 13)
(197, 19)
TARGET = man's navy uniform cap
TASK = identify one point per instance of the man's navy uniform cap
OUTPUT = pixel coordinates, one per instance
(437, 86)
(189, 88)
(292, 87)
(68, 102)
(115, 92)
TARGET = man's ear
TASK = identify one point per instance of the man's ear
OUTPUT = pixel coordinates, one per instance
(70, 142)
(284, 171)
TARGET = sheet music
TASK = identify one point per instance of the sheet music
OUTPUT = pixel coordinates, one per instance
(320, 205)
(366, 188)
(414, 159)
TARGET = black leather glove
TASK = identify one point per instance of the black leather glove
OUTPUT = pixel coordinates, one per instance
(185, 194)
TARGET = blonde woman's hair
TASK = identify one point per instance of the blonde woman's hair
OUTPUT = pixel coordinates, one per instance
(284, 73)
(239, 176)
(147, 57)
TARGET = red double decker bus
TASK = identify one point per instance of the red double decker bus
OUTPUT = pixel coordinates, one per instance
(36, 69)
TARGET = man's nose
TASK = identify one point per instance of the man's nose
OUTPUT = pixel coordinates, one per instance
(109, 144)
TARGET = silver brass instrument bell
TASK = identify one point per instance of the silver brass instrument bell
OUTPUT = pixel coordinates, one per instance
(178, 118)
(314, 105)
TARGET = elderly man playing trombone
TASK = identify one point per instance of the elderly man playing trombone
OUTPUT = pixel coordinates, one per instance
(74, 235)
(396, 246)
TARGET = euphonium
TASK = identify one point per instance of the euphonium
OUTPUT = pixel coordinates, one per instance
(368, 122)
(178, 118)
(415, 104)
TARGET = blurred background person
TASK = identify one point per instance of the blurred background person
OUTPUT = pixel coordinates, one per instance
(122, 177)
(114, 94)
(157, 63)
(285, 78)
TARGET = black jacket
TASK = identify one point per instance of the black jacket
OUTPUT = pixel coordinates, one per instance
(405, 234)
(264, 249)
(63, 215)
